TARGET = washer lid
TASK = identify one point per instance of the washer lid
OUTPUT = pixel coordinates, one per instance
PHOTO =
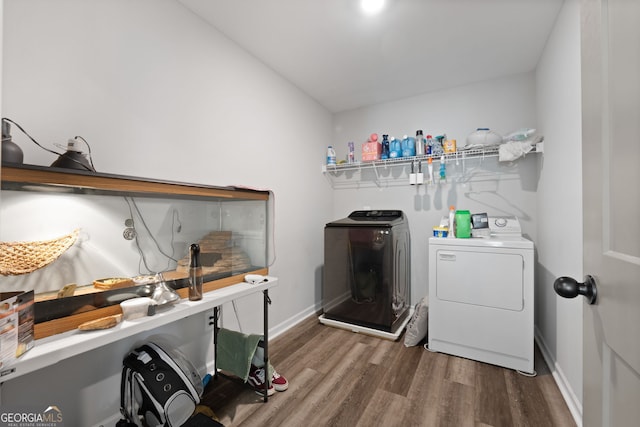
(383, 215)
(382, 218)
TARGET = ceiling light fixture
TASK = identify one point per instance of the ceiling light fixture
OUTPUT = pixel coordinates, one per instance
(371, 7)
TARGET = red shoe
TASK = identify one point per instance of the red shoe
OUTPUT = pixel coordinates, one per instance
(256, 380)
(279, 382)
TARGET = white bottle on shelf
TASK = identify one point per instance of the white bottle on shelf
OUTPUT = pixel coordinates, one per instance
(331, 156)
(419, 143)
(452, 216)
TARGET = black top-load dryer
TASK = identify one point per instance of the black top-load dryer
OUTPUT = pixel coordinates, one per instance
(367, 270)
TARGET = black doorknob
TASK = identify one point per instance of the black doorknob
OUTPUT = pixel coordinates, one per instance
(568, 287)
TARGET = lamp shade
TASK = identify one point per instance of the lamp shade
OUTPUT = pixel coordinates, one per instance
(72, 160)
(11, 152)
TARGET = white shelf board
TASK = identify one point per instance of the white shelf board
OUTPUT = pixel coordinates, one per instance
(51, 350)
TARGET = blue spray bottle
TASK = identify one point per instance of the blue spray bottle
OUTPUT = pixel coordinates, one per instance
(443, 170)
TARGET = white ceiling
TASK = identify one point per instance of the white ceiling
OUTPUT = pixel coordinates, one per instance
(346, 60)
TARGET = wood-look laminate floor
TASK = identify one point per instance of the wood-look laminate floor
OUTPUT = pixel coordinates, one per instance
(341, 378)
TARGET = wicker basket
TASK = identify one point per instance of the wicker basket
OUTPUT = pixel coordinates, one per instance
(25, 257)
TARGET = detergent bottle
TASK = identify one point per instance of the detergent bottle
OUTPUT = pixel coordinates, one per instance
(428, 149)
(395, 148)
(331, 156)
(463, 224)
(408, 146)
(385, 147)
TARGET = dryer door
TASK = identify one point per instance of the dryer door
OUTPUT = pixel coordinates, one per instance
(479, 277)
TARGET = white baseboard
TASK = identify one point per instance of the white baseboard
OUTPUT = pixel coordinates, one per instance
(294, 320)
(210, 367)
(571, 399)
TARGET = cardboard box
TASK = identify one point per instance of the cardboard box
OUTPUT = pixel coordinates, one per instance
(16, 326)
(449, 146)
(371, 151)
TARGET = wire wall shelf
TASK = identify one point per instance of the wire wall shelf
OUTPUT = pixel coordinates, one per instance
(392, 172)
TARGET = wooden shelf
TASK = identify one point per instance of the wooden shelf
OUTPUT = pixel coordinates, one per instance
(29, 175)
(68, 323)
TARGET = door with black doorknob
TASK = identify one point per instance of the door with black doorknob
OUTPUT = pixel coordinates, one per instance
(610, 42)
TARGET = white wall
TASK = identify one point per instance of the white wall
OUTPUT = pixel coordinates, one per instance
(490, 186)
(559, 320)
(158, 93)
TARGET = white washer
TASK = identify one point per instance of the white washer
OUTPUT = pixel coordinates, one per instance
(481, 296)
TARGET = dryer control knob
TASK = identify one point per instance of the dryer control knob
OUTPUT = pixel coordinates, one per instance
(501, 222)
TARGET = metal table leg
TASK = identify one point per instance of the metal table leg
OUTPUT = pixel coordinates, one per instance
(216, 328)
(265, 325)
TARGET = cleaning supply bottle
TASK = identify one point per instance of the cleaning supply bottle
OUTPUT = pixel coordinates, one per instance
(331, 156)
(395, 148)
(436, 148)
(408, 146)
(195, 273)
(385, 147)
(443, 170)
(352, 155)
(430, 172)
(452, 215)
(463, 224)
